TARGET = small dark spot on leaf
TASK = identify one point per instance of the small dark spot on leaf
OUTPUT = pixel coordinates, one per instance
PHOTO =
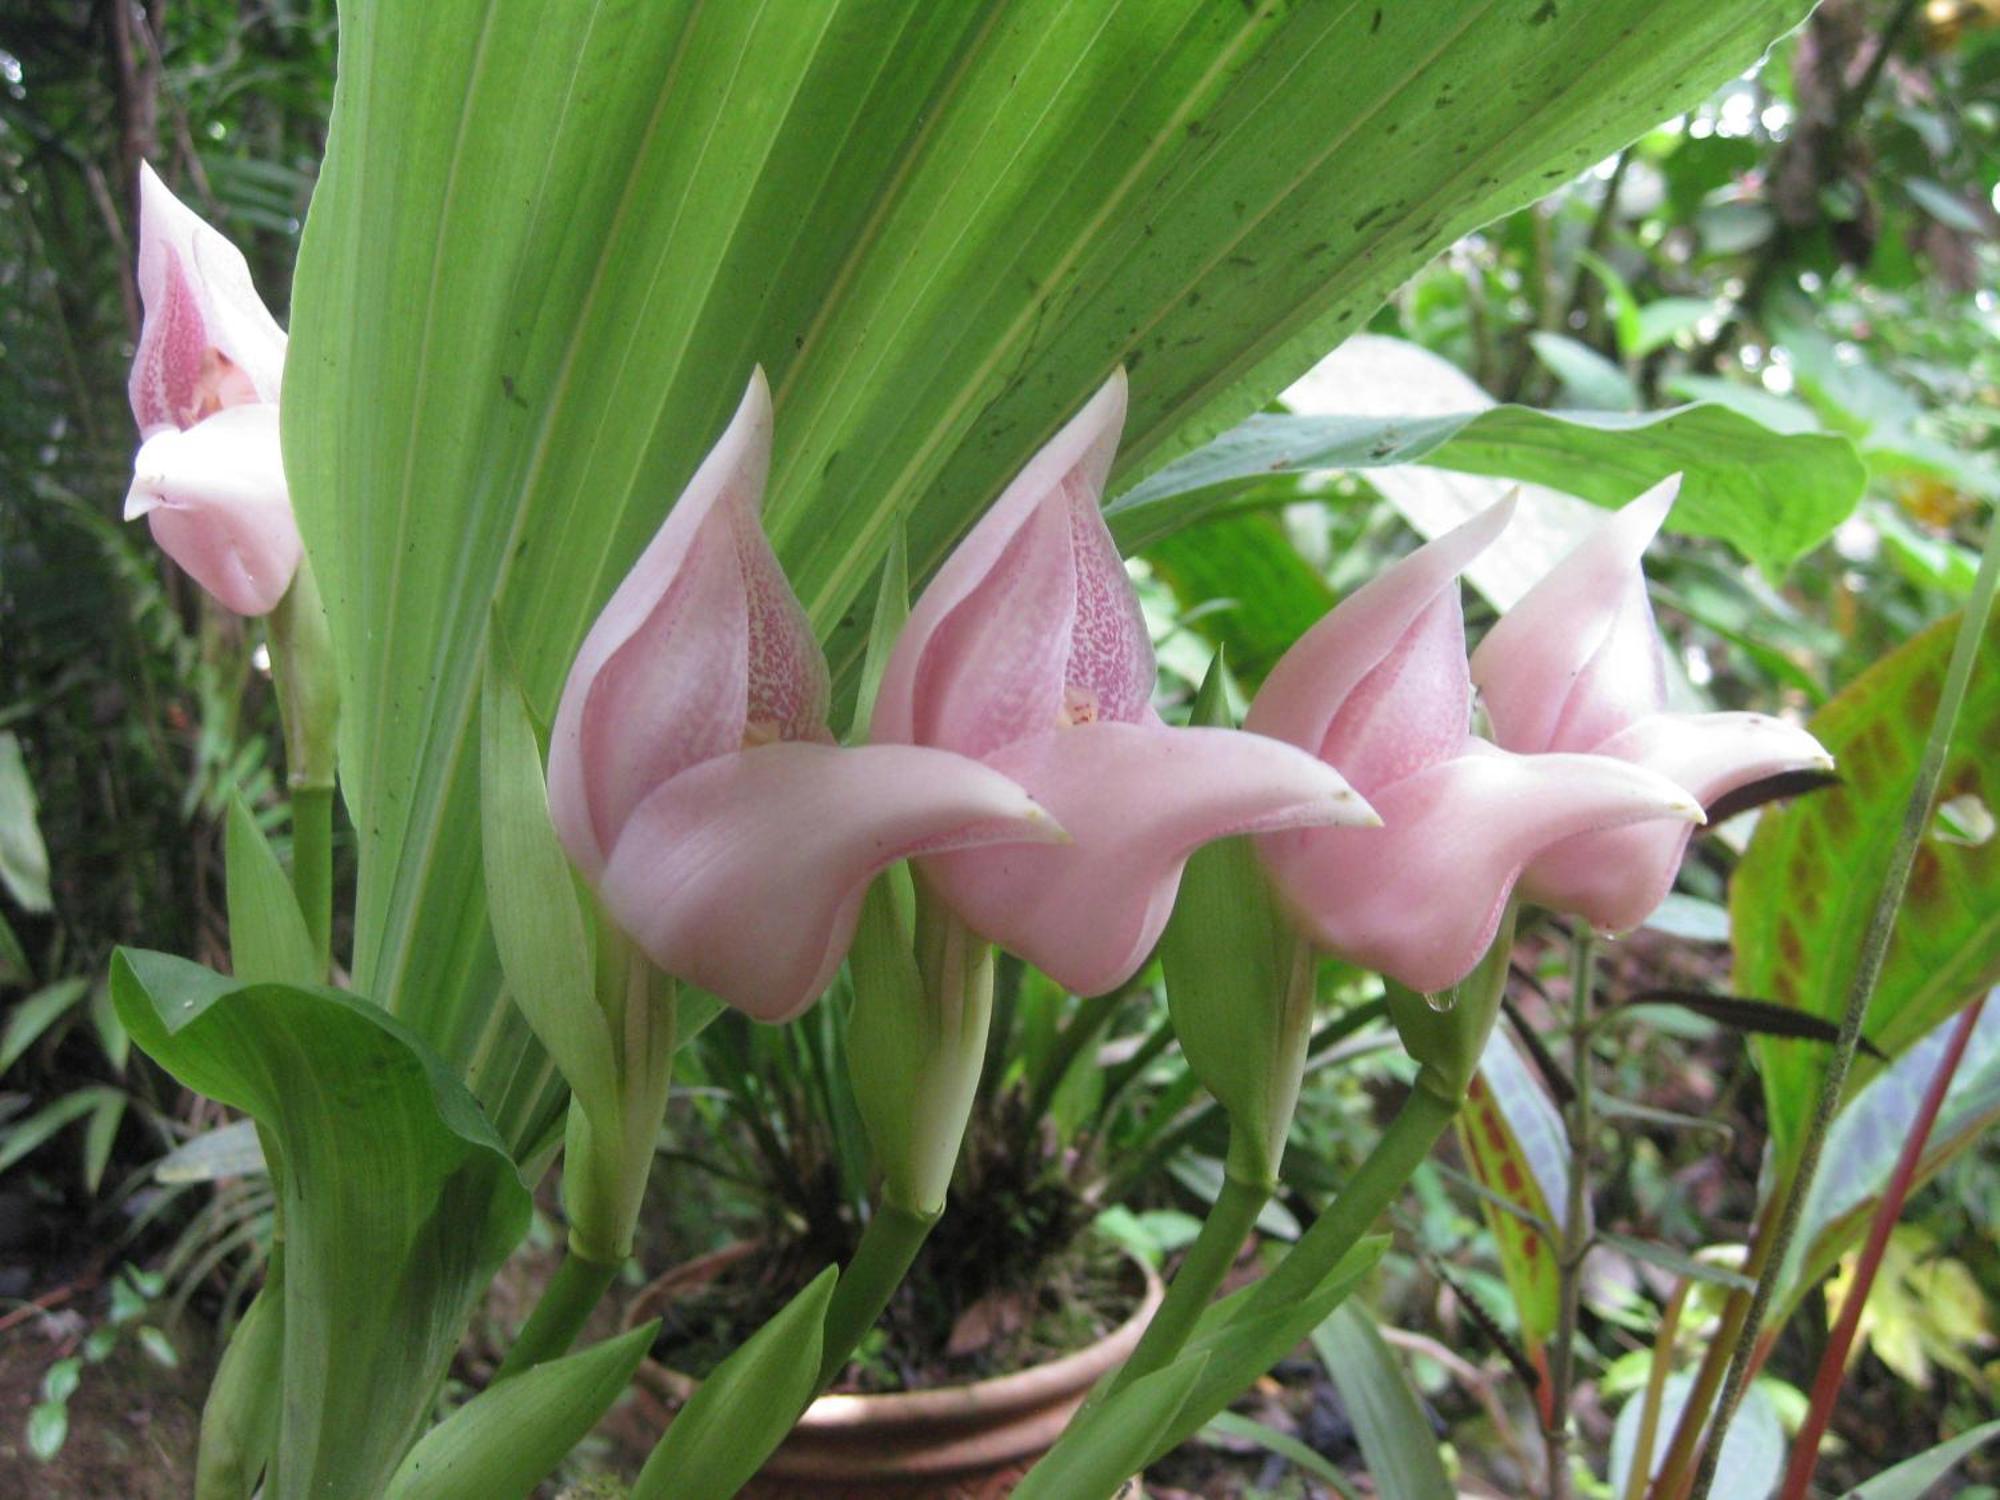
(507, 388)
(1375, 25)
(1544, 13)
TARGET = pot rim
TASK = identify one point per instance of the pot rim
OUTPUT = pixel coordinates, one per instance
(993, 1398)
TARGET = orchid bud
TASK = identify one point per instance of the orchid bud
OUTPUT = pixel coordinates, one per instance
(692, 779)
(1380, 687)
(1028, 652)
(204, 388)
(1578, 665)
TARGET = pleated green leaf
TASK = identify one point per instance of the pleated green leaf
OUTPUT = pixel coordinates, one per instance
(551, 240)
(399, 1200)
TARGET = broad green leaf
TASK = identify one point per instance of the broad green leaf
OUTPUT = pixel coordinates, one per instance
(1802, 893)
(28, 1019)
(1107, 1451)
(545, 948)
(551, 240)
(399, 1201)
(1589, 380)
(1913, 1478)
(1868, 1136)
(892, 608)
(504, 1441)
(1256, 593)
(24, 858)
(1753, 1450)
(1513, 1143)
(742, 1411)
(268, 942)
(239, 1421)
(1771, 495)
(1396, 1437)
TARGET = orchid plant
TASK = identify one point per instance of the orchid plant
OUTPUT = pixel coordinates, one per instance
(663, 822)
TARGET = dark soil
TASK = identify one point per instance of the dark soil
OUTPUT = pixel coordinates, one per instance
(132, 1423)
(1078, 1298)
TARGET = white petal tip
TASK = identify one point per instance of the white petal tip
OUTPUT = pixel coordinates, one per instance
(141, 502)
(1689, 810)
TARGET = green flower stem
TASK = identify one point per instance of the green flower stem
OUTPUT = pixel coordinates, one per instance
(572, 1293)
(1373, 1187)
(312, 866)
(888, 1245)
(1874, 952)
(302, 665)
(1214, 1251)
(1575, 1234)
(1446, 1043)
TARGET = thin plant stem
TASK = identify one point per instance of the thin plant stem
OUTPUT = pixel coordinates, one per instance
(1214, 1251)
(1575, 1234)
(1833, 1359)
(302, 667)
(576, 1288)
(1874, 953)
(1656, 1391)
(888, 1245)
(1373, 1187)
(312, 867)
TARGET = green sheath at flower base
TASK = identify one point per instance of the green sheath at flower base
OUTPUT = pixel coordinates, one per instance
(1446, 1033)
(308, 682)
(923, 996)
(923, 999)
(1239, 984)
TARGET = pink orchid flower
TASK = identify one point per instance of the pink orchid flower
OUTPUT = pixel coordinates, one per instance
(1380, 686)
(692, 778)
(1028, 652)
(204, 388)
(1578, 665)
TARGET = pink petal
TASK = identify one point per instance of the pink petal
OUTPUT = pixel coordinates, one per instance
(1137, 801)
(744, 875)
(1319, 682)
(208, 341)
(215, 497)
(983, 656)
(1419, 898)
(661, 682)
(1579, 657)
(1614, 879)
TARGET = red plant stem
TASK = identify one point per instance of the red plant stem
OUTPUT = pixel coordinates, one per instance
(1833, 1362)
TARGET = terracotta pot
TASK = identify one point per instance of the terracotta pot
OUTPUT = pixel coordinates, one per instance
(964, 1442)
